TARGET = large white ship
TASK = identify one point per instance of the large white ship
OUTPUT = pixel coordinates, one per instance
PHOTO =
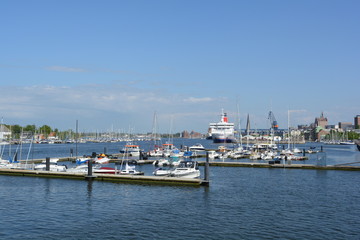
(223, 131)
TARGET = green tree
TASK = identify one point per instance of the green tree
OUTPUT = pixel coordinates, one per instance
(30, 128)
(16, 131)
(45, 129)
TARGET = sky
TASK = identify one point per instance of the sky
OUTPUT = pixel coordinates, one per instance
(114, 65)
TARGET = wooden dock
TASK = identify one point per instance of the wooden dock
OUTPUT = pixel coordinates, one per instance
(289, 166)
(138, 179)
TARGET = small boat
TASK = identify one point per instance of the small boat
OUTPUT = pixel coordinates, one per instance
(131, 150)
(212, 154)
(82, 160)
(105, 170)
(102, 159)
(130, 170)
(197, 147)
(162, 172)
(186, 169)
(95, 169)
(161, 162)
(52, 167)
(52, 161)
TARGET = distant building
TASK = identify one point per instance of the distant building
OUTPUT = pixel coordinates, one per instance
(321, 121)
(5, 132)
(346, 126)
(357, 122)
(192, 134)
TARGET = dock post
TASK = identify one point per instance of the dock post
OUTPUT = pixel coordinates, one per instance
(90, 162)
(105, 150)
(207, 177)
(71, 152)
(47, 164)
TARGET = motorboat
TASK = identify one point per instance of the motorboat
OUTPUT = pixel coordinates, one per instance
(102, 160)
(82, 160)
(186, 169)
(131, 150)
(162, 172)
(130, 170)
(161, 162)
(156, 152)
(197, 147)
(52, 167)
(168, 148)
(213, 154)
(83, 168)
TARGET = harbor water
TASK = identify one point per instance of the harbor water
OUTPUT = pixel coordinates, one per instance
(240, 203)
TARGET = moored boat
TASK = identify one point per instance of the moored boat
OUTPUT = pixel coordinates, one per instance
(186, 169)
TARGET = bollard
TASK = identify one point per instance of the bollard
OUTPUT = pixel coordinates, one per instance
(90, 168)
(71, 152)
(90, 162)
(304, 152)
(47, 164)
(207, 177)
(105, 150)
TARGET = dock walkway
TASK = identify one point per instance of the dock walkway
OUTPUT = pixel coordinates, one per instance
(107, 177)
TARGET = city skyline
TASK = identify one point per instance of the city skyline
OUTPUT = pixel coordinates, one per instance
(113, 65)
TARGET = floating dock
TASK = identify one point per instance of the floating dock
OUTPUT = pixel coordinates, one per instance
(278, 165)
(107, 177)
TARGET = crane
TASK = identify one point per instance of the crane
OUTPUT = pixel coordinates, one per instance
(273, 122)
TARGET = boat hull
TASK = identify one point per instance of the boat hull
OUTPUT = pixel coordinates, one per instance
(224, 140)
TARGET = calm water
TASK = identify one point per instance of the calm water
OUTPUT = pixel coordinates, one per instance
(241, 203)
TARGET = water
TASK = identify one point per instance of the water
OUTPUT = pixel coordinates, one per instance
(240, 203)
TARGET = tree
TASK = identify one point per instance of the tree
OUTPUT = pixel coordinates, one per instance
(45, 129)
(30, 128)
(16, 131)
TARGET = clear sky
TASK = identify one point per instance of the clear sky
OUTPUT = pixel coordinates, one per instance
(111, 64)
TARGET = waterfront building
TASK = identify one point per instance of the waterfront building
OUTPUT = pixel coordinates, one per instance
(357, 122)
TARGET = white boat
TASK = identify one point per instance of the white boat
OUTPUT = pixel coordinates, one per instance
(223, 131)
(83, 168)
(161, 162)
(52, 161)
(102, 160)
(213, 154)
(162, 172)
(186, 169)
(197, 147)
(156, 152)
(168, 148)
(131, 150)
(129, 170)
(52, 167)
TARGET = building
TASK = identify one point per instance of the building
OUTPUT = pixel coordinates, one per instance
(346, 126)
(5, 132)
(357, 122)
(321, 121)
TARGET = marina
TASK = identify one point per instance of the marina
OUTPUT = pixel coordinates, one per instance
(241, 192)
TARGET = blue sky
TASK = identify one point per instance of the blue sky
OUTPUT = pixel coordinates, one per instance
(111, 64)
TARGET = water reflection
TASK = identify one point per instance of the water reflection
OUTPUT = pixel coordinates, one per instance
(89, 188)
